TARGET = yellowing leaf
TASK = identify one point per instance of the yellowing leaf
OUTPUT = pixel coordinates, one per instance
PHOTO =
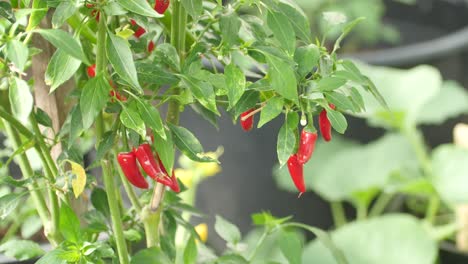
(79, 182)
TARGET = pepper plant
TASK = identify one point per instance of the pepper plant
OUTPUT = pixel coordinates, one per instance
(78, 75)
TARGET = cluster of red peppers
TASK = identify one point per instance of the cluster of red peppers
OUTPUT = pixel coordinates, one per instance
(306, 145)
(154, 168)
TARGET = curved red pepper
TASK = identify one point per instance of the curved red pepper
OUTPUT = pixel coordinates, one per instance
(296, 170)
(171, 182)
(150, 46)
(148, 163)
(91, 70)
(325, 125)
(161, 6)
(139, 32)
(247, 124)
(306, 146)
(128, 163)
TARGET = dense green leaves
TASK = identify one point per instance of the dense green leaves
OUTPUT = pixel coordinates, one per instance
(165, 150)
(188, 144)
(203, 92)
(120, 56)
(60, 69)
(190, 252)
(151, 117)
(21, 99)
(62, 40)
(291, 247)
(93, 99)
(307, 58)
(150, 255)
(69, 224)
(64, 11)
(287, 138)
(7, 12)
(168, 55)
(154, 74)
(140, 7)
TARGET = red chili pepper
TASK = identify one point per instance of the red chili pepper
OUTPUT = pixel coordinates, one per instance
(306, 146)
(150, 46)
(96, 14)
(296, 170)
(129, 166)
(139, 32)
(89, 5)
(247, 124)
(117, 95)
(91, 71)
(133, 22)
(161, 6)
(148, 163)
(171, 182)
(325, 125)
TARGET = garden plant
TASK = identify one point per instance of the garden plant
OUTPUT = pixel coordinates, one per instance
(83, 88)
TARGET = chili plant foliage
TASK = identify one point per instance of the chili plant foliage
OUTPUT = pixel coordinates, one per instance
(82, 73)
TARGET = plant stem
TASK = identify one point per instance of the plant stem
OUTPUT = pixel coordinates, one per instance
(15, 123)
(114, 211)
(361, 211)
(417, 142)
(380, 205)
(178, 38)
(27, 172)
(339, 217)
(107, 172)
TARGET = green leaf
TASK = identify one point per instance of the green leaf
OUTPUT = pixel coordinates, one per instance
(21, 249)
(93, 99)
(193, 7)
(7, 12)
(168, 55)
(100, 202)
(76, 124)
(282, 30)
(229, 25)
(247, 101)
(298, 20)
(151, 117)
(389, 234)
(55, 256)
(235, 83)
(231, 259)
(120, 56)
(63, 12)
(21, 99)
(337, 120)
(188, 144)
(272, 109)
(42, 117)
(451, 101)
(190, 252)
(346, 30)
(18, 53)
(165, 150)
(203, 92)
(152, 73)
(62, 40)
(39, 12)
(227, 230)
(105, 145)
(330, 83)
(60, 69)
(150, 255)
(450, 165)
(130, 118)
(140, 7)
(282, 78)
(357, 99)
(306, 57)
(9, 202)
(287, 138)
(69, 224)
(291, 247)
(341, 101)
